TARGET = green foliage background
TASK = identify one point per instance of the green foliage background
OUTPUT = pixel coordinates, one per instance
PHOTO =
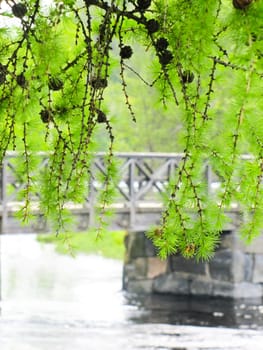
(109, 245)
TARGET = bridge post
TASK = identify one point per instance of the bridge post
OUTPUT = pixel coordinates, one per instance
(208, 178)
(91, 200)
(132, 194)
(3, 186)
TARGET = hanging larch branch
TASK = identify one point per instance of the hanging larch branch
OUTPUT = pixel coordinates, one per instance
(58, 63)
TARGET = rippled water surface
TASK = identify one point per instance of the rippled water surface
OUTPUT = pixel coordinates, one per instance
(53, 302)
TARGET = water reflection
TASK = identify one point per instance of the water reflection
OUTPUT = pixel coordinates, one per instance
(36, 280)
(53, 302)
(212, 312)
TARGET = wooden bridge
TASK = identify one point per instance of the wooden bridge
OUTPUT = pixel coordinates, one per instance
(235, 271)
(142, 181)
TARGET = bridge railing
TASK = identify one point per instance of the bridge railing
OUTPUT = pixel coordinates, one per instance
(141, 182)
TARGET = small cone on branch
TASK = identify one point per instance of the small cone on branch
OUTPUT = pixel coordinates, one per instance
(241, 4)
(19, 10)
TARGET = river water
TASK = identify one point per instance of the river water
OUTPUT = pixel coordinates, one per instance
(55, 302)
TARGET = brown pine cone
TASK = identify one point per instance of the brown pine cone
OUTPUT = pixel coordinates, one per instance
(241, 4)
